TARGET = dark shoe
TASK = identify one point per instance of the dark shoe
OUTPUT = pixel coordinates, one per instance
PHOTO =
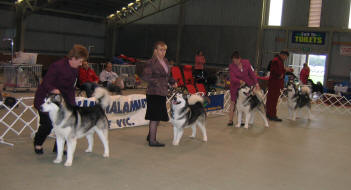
(230, 123)
(39, 151)
(156, 144)
(148, 138)
(275, 119)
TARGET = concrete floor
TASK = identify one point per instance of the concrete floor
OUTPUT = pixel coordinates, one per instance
(301, 155)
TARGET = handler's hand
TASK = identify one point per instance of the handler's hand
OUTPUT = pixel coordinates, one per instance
(55, 91)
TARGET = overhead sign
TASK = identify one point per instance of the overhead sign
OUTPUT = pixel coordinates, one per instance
(313, 38)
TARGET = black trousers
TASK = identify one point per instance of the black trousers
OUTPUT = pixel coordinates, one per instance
(45, 127)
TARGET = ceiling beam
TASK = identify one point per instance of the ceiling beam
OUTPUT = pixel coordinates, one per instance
(147, 8)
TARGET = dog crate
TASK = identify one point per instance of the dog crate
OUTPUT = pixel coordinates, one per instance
(96, 67)
(126, 72)
(21, 77)
(223, 79)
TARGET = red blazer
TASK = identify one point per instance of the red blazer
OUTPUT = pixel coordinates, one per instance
(276, 77)
(87, 75)
(304, 74)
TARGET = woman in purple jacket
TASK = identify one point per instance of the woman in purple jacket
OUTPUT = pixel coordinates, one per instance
(60, 78)
(241, 72)
(157, 74)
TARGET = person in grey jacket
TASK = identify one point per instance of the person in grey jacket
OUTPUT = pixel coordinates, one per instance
(157, 74)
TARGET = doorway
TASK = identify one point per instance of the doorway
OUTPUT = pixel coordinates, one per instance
(316, 62)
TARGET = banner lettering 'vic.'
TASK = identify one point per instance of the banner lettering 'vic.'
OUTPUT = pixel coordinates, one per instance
(124, 111)
(314, 38)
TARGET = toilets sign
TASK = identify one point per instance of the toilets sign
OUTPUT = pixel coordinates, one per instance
(313, 38)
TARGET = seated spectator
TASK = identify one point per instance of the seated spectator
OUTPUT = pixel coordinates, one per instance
(110, 79)
(88, 79)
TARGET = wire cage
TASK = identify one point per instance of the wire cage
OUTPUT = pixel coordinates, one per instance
(126, 72)
(21, 76)
(223, 79)
(96, 67)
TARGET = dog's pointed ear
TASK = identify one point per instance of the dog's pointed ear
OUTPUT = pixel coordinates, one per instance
(58, 97)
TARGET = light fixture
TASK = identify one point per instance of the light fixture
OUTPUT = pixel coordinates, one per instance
(111, 16)
(18, 1)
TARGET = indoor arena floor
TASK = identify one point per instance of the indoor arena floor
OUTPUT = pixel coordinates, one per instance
(300, 155)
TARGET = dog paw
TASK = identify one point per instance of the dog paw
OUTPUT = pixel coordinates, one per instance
(191, 136)
(88, 150)
(68, 164)
(175, 144)
(267, 126)
(237, 126)
(246, 127)
(106, 155)
(57, 161)
(205, 139)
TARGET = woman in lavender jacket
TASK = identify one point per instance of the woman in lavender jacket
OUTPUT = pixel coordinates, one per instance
(241, 72)
(60, 78)
(157, 74)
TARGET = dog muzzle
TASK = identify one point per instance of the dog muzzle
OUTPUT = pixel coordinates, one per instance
(175, 102)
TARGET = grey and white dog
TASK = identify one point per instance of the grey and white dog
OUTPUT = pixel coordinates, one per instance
(72, 122)
(187, 113)
(298, 99)
(248, 102)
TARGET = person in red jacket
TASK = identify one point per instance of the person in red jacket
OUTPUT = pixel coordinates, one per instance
(88, 79)
(199, 64)
(304, 74)
(275, 84)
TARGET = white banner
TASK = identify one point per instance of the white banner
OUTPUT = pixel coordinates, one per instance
(124, 111)
(345, 50)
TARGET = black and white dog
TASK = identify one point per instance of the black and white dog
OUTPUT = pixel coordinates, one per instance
(248, 102)
(71, 123)
(187, 113)
(298, 99)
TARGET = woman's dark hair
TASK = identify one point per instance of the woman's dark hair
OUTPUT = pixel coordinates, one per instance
(78, 51)
(235, 55)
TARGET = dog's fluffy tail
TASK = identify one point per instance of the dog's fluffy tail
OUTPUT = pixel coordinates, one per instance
(305, 90)
(193, 99)
(259, 95)
(102, 96)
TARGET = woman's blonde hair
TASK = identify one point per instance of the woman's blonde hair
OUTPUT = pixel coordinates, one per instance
(78, 51)
(159, 43)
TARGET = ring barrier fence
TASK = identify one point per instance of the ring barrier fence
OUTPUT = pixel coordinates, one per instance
(14, 120)
(23, 115)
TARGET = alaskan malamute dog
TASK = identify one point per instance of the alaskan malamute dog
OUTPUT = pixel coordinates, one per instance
(70, 123)
(248, 102)
(187, 113)
(298, 99)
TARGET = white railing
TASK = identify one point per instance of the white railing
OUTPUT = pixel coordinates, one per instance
(17, 118)
(23, 115)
